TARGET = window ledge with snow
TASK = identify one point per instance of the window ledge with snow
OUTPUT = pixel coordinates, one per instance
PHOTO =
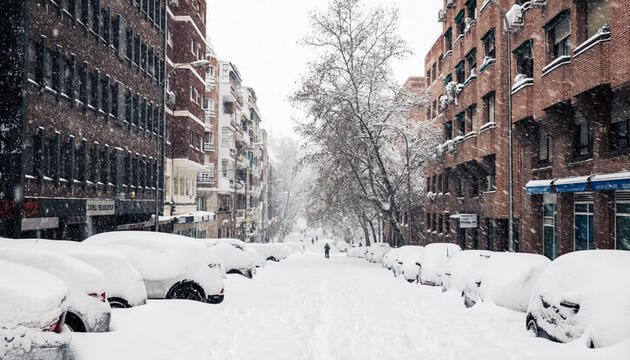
(459, 38)
(447, 54)
(556, 63)
(487, 62)
(470, 135)
(457, 139)
(484, 6)
(520, 82)
(487, 126)
(601, 36)
(470, 79)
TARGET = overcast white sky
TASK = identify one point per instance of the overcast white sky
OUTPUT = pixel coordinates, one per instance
(260, 37)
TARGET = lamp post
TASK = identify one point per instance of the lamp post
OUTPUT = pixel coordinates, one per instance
(199, 64)
(510, 159)
(409, 216)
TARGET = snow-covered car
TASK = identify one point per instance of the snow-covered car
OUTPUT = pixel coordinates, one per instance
(171, 266)
(341, 246)
(88, 309)
(583, 294)
(459, 266)
(295, 246)
(507, 279)
(406, 259)
(357, 251)
(390, 258)
(123, 284)
(376, 251)
(236, 260)
(32, 311)
(272, 251)
(431, 266)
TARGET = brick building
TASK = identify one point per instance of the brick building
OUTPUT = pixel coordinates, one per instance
(571, 110)
(186, 117)
(82, 84)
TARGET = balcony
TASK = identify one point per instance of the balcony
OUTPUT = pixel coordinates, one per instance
(208, 147)
(205, 178)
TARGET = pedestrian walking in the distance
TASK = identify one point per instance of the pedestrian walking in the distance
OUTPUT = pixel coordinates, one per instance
(327, 250)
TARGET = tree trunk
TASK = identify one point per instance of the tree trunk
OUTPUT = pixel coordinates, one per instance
(374, 236)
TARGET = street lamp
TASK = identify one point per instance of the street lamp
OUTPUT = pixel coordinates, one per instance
(409, 216)
(510, 160)
(198, 64)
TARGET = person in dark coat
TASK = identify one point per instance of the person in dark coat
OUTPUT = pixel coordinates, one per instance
(327, 250)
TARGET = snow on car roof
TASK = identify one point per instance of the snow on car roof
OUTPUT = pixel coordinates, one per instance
(27, 293)
(67, 268)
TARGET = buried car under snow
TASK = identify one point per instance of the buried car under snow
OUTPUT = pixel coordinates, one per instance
(434, 258)
(406, 259)
(459, 267)
(172, 266)
(272, 251)
(375, 252)
(236, 259)
(506, 279)
(583, 294)
(123, 283)
(88, 310)
(32, 310)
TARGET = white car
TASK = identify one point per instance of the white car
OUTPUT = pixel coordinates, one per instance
(88, 310)
(459, 266)
(32, 311)
(272, 251)
(172, 266)
(583, 294)
(390, 258)
(341, 246)
(123, 283)
(357, 251)
(431, 266)
(507, 279)
(375, 252)
(407, 258)
(236, 259)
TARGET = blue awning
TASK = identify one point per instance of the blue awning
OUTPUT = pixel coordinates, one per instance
(537, 187)
(573, 184)
(611, 182)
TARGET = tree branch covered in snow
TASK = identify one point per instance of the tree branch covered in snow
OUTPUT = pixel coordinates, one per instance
(358, 116)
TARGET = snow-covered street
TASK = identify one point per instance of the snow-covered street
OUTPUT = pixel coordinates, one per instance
(307, 307)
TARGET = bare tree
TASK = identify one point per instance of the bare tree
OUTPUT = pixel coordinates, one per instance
(358, 116)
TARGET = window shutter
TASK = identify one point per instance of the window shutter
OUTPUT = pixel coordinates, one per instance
(71, 91)
(121, 107)
(136, 109)
(129, 44)
(156, 119)
(96, 16)
(150, 116)
(42, 75)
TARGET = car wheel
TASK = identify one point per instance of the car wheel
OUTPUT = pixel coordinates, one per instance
(118, 303)
(468, 301)
(216, 299)
(272, 259)
(74, 323)
(532, 327)
(186, 291)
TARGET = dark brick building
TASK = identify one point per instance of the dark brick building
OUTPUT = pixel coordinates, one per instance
(571, 112)
(82, 85)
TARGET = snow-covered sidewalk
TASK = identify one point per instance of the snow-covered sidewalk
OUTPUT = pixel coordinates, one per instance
(310, 308)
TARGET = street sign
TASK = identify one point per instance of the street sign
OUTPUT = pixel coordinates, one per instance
(99, 207)
(468, 221)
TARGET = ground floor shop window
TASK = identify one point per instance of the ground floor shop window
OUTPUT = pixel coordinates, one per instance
(461, 238)
(622, 226)
(584, 239)
(490, 234)
(475, 238)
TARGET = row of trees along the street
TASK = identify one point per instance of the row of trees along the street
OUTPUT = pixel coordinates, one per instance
(357, 115)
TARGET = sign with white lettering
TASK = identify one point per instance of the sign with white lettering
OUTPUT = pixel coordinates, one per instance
(100, 207)
(468, 221)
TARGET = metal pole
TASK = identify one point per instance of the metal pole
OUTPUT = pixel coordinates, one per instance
(510, 156)
(161, 130)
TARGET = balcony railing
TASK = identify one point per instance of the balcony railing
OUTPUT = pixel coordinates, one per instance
(205, 178)
(208, 147)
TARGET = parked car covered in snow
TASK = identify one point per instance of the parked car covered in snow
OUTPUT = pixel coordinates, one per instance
(236, 259)
(460, 265)
(376, 251)
(507, 279)
(172, 266)
(123, 283)
(32, 311)
(583, 294)
(390, 258)
(357, 251)
(431, 265)
(88, 310)
(406, 259)
(272, 251)
(341, 246)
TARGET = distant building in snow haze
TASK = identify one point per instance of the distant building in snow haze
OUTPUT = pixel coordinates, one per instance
(571, 119)
(80, 117)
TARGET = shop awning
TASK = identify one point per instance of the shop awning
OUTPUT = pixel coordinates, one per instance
(610, 182)
(537, 187)
(572, 184)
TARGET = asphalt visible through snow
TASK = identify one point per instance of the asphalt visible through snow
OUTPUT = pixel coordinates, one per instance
(308, 307)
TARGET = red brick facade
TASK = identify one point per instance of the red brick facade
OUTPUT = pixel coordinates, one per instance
(589, 86)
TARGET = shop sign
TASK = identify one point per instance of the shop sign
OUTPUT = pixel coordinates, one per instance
(100, 207)
(468, 221)
(40, 223)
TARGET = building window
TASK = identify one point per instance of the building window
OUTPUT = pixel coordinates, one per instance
(460, 73)
(524, 59)
(471, 62)
(545, 149)
(489, 107)
(470, 117)
(447, 225)
(448, 130)
(490, 234)
(597, 14)
(489, 49)
(471, 6)
(460, 121)
(474, 186)
(620, 123)
(584, 139)
(550, 246)
(583, 213)
(95, 88)
(622, 227)
(461, 186)
(448, 38)
(446, 185)
(428, 222)
(558, 33)
(428, 184)
(460, 23)
(440, 224)
(490, 167)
